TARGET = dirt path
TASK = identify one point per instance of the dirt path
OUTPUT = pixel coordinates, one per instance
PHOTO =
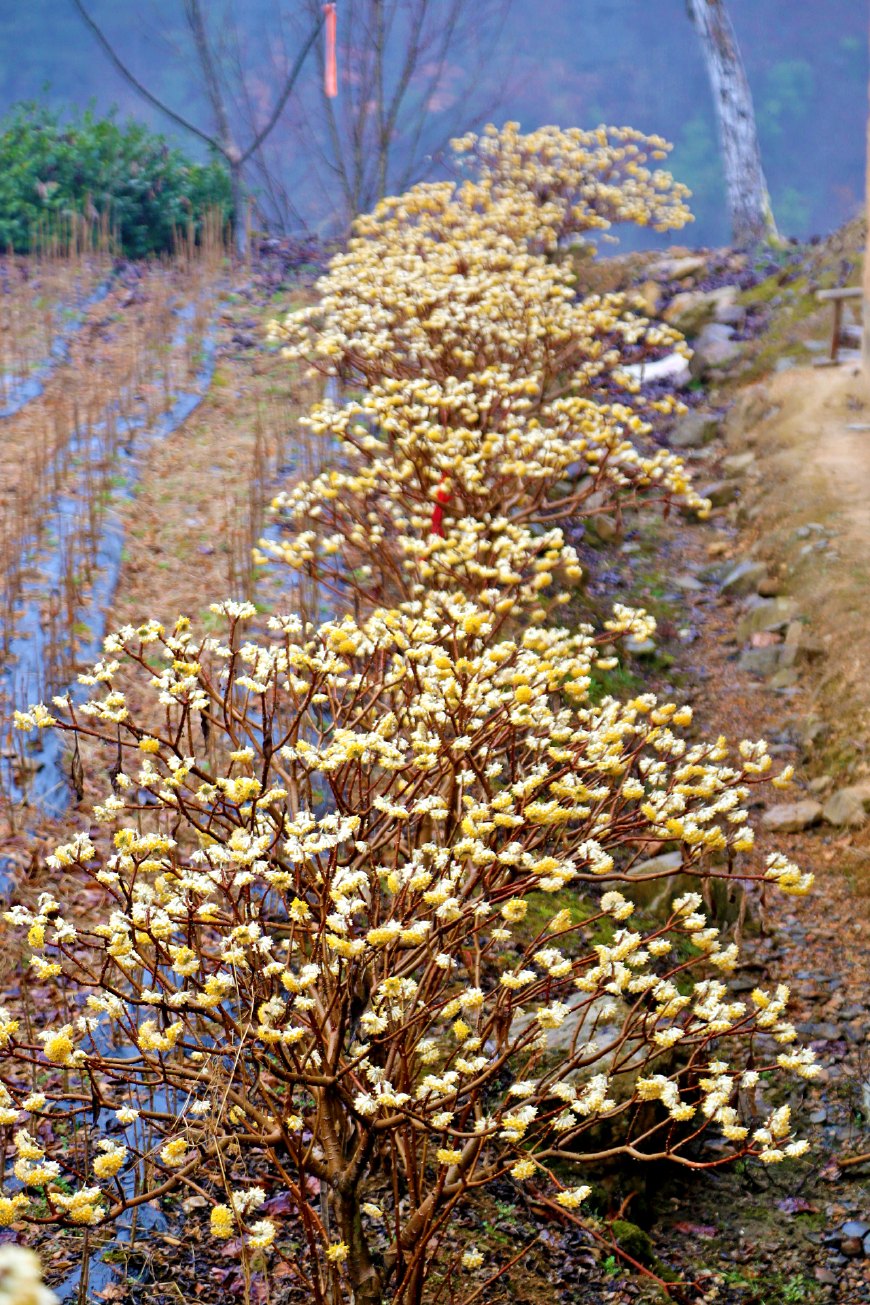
(807, 514)
(775, 1236)
(800, 1233)
(812, 447)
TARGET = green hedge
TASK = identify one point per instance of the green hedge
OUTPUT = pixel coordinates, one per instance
(51, 166)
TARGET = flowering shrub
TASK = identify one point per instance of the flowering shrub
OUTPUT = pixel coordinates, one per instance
(503, 566)
(21, 1278)
(589, 180)
(403, 303)
(489, 386)
(453, 279)
(368, 933)
(487, 380)
(327, 848)
(500, 462)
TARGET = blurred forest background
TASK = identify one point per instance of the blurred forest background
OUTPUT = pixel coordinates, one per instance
(573, 62)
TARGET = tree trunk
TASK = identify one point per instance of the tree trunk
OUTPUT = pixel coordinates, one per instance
(748, 199)
(240, 226)
(865, 330)
(364, 1277)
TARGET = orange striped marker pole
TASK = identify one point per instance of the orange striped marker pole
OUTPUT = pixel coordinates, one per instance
(330, 69)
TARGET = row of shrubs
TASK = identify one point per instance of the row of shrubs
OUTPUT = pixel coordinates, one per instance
(368, 943)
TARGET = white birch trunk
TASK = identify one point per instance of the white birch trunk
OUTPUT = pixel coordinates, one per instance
(865, 336)
(748, 199)
(240, 214)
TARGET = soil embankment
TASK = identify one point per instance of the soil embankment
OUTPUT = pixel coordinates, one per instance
(783, 652)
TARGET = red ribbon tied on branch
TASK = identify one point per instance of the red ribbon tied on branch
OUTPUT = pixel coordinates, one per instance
(330, 69)
(442, 498)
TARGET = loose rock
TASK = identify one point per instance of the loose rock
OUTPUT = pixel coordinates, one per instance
(673, 368)
(689, 582)
(693, 310)
(744, 578)
(739, 463)
(822, 1032)
(792, 817)
(690, 311)
(767, 614)
(762, 662)
(604, 527)
(769, 587)
(805, 644)
(732, 315)
(785, 678)
(655, 892)
(721, 492)
(677, 269)
(695, 430)
(847, 808)
(714, 348)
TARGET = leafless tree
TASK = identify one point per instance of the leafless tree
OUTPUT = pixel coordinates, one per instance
(413, 73)
(220, 135)
(748, 199)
